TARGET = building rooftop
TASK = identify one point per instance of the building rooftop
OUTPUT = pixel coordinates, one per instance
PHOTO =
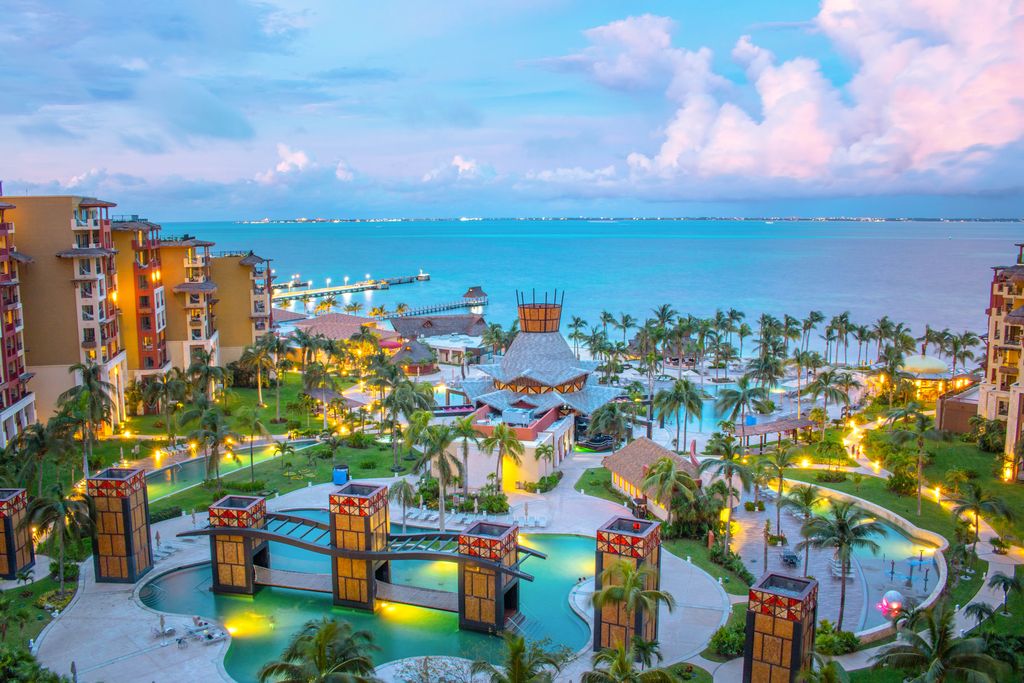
(635, 459)
(86, 251)
(413, 327)
(341, 326)
(205, 287)
(413, 352)
(282, 315)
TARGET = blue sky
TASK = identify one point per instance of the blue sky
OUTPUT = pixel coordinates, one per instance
(229, 109)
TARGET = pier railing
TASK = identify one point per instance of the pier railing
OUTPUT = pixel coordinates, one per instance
(438, 308)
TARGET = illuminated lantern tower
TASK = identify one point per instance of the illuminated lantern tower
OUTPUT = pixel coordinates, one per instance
(487, 596)
(360, 520)
(121, 549)
(637, 542)
(16, 551)
(781, 613)
(235, 556)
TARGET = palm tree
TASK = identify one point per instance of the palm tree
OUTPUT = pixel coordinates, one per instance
(937, 655)
(979, 611)
(91, 401)
(37, 443)
(625, 323)
(727, 465)
(612, 420)
(545, 452)
(466, 432)
(618, 665)
(278, 347)
(776, 463)
(916, 427)
(828, 385)
(437, 439)
(1006, 583)
(66, 518)
(504, 441)
(522, 663)
(258, 358)
(403, 493)
(975, 501)
(667, 480)
(959, 347)
(212, 432)
(844, 528)
(624, 586)
(166, 389)
(684, 397)
(284, 449)
(802, 500)
(325, 651)
(204, 373)
(318, 376)
(353, 308)
(250, 422)
(741, 400)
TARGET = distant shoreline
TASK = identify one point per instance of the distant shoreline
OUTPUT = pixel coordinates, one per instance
(606, 219)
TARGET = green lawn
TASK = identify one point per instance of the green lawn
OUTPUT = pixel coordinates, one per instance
(699, 555)
(69, 471)
(25, 597)
(691, 672)
(947, 455)
(291, 387)
(363, 464)
(870, 675)
(1013, 624)
(597, 482)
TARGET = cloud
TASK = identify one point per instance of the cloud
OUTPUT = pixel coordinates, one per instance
(47, 129)
(458, 169)
(289, 161)
(344, 172)
(573, 175)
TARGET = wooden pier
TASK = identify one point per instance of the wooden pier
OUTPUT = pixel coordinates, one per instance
(438, 308)
(293, 293)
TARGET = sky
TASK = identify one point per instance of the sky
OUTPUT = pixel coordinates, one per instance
(194, 109)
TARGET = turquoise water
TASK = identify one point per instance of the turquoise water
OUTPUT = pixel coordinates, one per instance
(191, 472)
(630, 266)
(264, 623)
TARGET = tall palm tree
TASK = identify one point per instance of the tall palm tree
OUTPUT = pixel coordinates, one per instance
(624, 586)
(843, 528)
(204, 373)
(959, 347)
(802, 500)
(973, 502)
(679, 402)
(36, 444)
(278, 347)
(613, 420)
(283, 449)
(917, 427)
(1007, 583)
(466, 431)
(259, 359)
(741, 400)
(828, 386)
(403, 493)
(405, 399)
(325, 651)
(576, 327)
(250, 422)
(213, 431)
(66, 518)
(728, 464)
(436, 442)
(544, 452)
(91, 401)
(936, 655)
(353, 308)
(667, 481)
(166, 389)
(625, 323)
(618, 665)
(522, 663)
(776, 463)
(505, 443)
(318, 376)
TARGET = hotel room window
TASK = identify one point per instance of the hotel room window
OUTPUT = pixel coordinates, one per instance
(88, 313)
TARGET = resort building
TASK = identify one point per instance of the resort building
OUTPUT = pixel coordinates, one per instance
(69, 295)
(191, 326)
(336, 326)
(143, 302)
(244, 282)
(456, 339)
(630, 465)
(17, 403)
(1000, 395)
(538, 388)
(415, 359)
(284, 320)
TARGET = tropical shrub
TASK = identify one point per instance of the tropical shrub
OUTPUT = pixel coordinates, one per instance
(832, 642)
(70, 570)
(833, 477)
(166, 513)
(360, 440)
(748, 505)
(545, 483)
(18, 664)
(728, 641)
(54, 600)
(901, 482)
(731, 561)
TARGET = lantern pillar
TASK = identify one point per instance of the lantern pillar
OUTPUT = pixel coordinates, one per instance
(781, 614)
(234, 557)
(360, 520)
(121, 548)
(488, 596)
(637, 542)
(16, 549)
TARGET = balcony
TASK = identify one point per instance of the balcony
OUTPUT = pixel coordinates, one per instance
(197, 261)
(86, 224)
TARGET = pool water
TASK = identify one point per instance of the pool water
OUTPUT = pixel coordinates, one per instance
(263, 624)
(711, 416)
(174, 478)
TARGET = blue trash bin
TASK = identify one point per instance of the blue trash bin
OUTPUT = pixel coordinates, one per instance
(340, 474)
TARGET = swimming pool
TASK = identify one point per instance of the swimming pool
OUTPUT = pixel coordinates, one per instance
(174, 478)
(263, 624)
(711, 416)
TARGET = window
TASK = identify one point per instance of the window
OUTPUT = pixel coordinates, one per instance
(89, 335)
(146, 323)
(88, 313)
(86, 290)
(144, 301)
(143, 282)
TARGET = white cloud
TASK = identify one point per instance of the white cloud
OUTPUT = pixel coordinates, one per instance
(575, 174)
(459, 168)
(289, 161)
(343, 172)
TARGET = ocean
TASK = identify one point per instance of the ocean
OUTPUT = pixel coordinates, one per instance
(916, 272)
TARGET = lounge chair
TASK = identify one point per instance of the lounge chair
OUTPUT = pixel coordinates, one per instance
(542, 522)
(413, 513)
(434, 516)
